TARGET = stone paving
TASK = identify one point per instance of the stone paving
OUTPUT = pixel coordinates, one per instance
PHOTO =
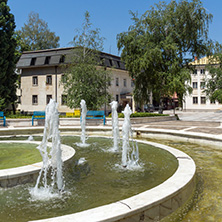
(204, 122)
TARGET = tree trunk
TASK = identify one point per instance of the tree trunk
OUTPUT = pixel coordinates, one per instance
(13, 108)
(161, 106)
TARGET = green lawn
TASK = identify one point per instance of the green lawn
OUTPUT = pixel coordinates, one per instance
(16, 154)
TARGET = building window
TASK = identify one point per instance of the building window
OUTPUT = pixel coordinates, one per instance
(63, 78)
(111, 62)
(202, 71)
(203, 100)
(195, 72)
(202, 85)
(48, 97)
(47, 60)
(212, 101)
(195, 100)
(62, 59)
(194, 85)
(49, 80)
(124, 82)
(33, 60)
(34, 100)
(132, 83)
(35, 80)
(117, 81)
(64, 100)
(117, 98)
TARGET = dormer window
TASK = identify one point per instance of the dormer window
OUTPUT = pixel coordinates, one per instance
(33, 60)
(62, 59)
(47, 60)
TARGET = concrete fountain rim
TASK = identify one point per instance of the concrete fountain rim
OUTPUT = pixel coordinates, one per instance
(177, 184)
(67, 153)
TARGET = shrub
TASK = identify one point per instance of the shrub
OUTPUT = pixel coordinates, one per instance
(121, 115)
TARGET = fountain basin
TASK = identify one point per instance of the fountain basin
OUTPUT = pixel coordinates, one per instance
(25, 174)
(151, 205)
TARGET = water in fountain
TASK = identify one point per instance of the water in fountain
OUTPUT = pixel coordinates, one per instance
(129, 160)
(83, 124)
(50, 179)
(115, 127)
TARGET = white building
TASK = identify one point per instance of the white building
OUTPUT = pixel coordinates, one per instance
(41, 75)
(198, 100)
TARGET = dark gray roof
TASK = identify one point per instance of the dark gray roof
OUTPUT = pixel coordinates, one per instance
(53, 57)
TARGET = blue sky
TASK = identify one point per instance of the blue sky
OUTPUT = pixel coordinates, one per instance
(111, 17)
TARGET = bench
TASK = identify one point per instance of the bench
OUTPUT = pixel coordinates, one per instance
(91, 114)
(72, 114)
(3, 118)
(38, 115)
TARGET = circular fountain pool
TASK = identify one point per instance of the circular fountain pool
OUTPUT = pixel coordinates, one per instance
(95, 180)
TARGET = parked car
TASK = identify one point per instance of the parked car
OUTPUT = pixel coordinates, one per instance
(149, 108)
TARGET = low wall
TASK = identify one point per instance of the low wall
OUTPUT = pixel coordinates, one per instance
(76, 121)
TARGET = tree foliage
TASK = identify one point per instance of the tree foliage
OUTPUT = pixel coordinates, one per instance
(86, 78)
(158, 47)
(88, 38)
(214, 78)
(8, 58)
(36, 35)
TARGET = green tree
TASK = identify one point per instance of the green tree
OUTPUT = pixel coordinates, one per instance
(159, 45)
(36, 35)
(213, 80)
(86, 77)
(8, 58)
(2, 104)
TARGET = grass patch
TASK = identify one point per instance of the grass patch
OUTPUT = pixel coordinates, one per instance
(18, 154)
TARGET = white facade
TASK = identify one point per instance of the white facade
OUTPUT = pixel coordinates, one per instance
(41, 80)
(198, 100)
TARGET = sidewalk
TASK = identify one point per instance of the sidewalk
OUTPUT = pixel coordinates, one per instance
(197, 116)
(202, 122)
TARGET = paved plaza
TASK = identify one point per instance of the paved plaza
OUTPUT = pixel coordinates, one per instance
(202, 122)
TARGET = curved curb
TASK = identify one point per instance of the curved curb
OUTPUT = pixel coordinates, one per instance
(24, 174)
(151, 205)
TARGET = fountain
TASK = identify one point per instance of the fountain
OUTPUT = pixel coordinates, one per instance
(90, 183)
(128, 161)
(51, 157)
(130, 157)
(83, 124)
(115, 127)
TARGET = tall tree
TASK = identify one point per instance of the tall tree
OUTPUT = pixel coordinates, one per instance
(213, 80)
(86, 77)
(36, 35)
(8, 58)
(159, 45)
